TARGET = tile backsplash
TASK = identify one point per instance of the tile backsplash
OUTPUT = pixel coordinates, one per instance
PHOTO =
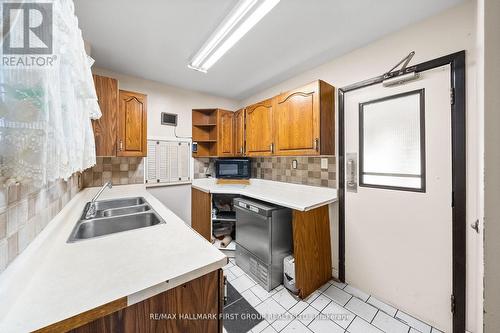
(26, 211)
(120, 170)
(201, 165)
(308, 169)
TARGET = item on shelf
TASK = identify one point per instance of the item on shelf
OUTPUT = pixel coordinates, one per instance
(221, 232)
(226, 241)
(222, 228)
(224, 204)
(221, 216)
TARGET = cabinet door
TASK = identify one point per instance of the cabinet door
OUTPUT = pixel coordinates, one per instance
(201, 296)
(259, 129)
(105, 128)
(201, 211)
(239, 132)
(297, 121)
(225, 125)
(132, 124)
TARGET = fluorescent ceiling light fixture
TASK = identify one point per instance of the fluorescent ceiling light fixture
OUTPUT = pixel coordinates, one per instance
(240, 20)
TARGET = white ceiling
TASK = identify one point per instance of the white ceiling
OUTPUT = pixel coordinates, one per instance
(155, 39)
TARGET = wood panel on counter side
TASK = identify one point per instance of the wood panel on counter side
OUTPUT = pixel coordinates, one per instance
(201, 210)
(312, 249)
(105, 322)
(198, 296)
(132, 124)
(105, 127)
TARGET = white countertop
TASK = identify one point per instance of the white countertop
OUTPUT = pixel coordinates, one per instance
(294, 196)
(53, 280)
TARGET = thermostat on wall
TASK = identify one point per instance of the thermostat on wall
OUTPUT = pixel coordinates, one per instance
(168, 119)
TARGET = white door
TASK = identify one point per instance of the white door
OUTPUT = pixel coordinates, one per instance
(398, 213)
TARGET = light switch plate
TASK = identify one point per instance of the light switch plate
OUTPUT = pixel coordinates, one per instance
(294, 164)
(324, 163)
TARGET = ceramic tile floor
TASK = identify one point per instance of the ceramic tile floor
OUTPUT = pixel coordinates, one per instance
(335, 307)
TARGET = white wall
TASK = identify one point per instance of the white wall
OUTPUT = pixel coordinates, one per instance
(491, 43)
(177, 198)
(165, 98)
(448, 32)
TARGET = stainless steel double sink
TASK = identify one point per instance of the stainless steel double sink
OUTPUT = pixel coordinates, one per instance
(113, 216)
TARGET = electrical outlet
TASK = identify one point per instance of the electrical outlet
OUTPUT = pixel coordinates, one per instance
(294, 164)
(324, 163)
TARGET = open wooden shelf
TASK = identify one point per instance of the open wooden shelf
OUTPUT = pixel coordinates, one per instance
(212, 130)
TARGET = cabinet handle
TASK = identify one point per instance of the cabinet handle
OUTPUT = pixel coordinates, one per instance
(121, 145)
(271, 147)
(316, 144)
(241, 150)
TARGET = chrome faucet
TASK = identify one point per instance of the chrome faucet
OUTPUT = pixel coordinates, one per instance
(92, 210)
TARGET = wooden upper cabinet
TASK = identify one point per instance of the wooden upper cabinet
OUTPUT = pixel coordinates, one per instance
(105, 127)
(239, 132)
(132, 124)
(225, 136)
(304, 121)
(259, 129)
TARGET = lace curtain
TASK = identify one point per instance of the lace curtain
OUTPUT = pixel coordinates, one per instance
(46, 111)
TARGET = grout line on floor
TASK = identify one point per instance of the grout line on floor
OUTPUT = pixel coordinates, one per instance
(352, 321)
(376, 313)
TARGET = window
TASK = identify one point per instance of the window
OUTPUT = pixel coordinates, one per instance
(168, 161)
(392, 142)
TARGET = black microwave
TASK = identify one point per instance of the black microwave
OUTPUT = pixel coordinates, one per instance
(232, 168)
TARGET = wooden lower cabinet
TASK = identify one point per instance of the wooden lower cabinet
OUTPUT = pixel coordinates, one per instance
(169, 312)
(311, 241)
(201, 210)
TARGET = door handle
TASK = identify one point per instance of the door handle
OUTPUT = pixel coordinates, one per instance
(316, 144)
(351, 178)
(350, 168)
(475, 226)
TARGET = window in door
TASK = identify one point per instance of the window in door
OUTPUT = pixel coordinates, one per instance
(392, 142)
